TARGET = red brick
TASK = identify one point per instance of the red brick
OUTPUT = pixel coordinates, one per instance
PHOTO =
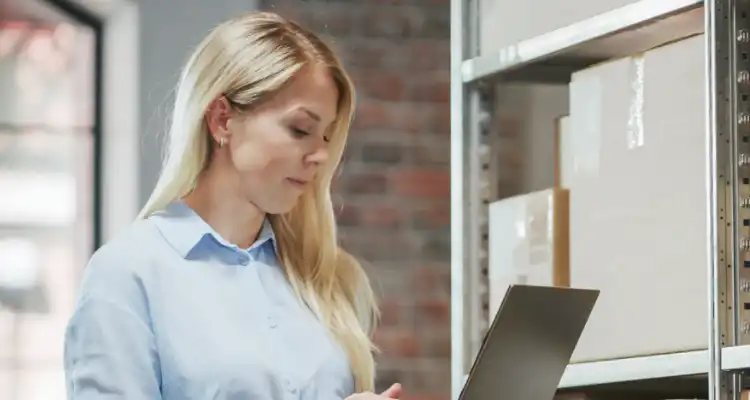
(387, 376)
(435, 311)
(376, 215)
(397, 343)
(420, 120)
(437, 345)
(413, 118)
(426, 396)
(383, 85)
(395, 181)
(382, 153)
(422, 183)
(379, 246)
(348, 215)
(388, 21)
(431, 153)
(430, 282)
(368, 53)
(441, 123)
(397, 20)
(389, 280)
(429, 55)
(436, 246)
(430, 377)
(377, 115)
(391, 313)
(433, 90)
(432, 215)
(365, 183)
(288, 10)
(380, 216)
(407, 345)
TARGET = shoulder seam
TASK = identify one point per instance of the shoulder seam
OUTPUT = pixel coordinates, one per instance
(86, 301)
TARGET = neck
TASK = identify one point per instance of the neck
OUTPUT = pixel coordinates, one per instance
(218, 201)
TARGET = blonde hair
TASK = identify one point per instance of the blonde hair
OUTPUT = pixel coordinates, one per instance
(247, 59)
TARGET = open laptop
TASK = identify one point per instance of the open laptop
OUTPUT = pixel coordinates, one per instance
(529, 343)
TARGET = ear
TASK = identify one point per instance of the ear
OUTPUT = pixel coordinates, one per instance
(217, 118)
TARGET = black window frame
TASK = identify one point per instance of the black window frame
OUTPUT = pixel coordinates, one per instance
(96, 23)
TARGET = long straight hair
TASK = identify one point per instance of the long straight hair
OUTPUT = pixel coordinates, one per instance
(248, 59)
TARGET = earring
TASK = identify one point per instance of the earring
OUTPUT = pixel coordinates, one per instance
(221, 142)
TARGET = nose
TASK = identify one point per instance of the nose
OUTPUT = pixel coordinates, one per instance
(318, 156)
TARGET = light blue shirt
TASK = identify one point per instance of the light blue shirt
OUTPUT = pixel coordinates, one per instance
(170, 310)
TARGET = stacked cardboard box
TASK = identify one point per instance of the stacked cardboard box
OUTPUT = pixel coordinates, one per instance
(528, 239)
(633, 157)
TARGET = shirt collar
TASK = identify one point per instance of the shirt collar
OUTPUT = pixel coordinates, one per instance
(184, 229)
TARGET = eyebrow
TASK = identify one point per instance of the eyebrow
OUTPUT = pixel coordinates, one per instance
(311, 114)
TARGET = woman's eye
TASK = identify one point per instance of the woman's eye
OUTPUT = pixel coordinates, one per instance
(299, 132)
(302, 133)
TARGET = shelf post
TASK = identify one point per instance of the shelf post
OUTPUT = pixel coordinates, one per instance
(459, 325)
(726, 29)
(469, 123)
(724, 88)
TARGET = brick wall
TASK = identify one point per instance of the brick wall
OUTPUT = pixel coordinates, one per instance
(394, 189)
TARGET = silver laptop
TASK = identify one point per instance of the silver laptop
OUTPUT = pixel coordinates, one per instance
(529, 343)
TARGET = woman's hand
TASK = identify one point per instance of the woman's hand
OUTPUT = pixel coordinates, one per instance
(393, 392)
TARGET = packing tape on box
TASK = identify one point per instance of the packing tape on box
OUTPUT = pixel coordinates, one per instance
(534, 235)
(635, 114)
(522, 235)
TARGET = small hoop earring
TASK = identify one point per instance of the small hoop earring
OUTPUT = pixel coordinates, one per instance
(221, 142)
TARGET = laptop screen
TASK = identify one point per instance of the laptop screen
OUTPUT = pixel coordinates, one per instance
(529, 343)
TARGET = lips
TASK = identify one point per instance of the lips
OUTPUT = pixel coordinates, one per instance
(298, 182)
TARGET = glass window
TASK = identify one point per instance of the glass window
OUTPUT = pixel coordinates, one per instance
(46, 191)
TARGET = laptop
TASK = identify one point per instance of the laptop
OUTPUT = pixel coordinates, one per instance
(529, 343)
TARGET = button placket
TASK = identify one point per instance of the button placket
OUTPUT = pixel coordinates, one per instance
(290, 387)
(243, 259)
(288, 383)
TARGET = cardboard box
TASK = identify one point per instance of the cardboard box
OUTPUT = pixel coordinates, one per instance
(634, 162)
(528, 242)
(507, 22)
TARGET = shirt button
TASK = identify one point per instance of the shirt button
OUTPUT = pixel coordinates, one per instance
(290, 387)
(271, 322)
(244, 260)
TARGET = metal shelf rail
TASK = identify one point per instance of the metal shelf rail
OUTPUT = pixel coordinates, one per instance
(552, 57)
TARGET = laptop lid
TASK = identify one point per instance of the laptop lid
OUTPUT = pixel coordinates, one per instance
(529, 343)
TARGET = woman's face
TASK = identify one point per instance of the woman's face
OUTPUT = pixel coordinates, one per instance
(275, 151)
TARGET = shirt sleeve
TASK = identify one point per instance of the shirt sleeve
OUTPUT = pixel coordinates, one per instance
(110, 353)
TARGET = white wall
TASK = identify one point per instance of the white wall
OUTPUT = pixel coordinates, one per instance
(169, 30)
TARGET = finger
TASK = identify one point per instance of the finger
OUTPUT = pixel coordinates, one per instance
(393, 392)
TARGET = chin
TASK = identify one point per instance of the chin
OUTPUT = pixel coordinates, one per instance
(280, 207)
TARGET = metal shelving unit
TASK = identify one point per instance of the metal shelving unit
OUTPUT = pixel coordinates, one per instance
(714, 373)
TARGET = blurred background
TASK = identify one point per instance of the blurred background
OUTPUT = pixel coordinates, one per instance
(85, 90)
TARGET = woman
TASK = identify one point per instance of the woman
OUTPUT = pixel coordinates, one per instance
(231, 284)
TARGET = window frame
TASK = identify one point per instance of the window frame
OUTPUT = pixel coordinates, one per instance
(117, 118)
(95, 23)
(115, 131)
